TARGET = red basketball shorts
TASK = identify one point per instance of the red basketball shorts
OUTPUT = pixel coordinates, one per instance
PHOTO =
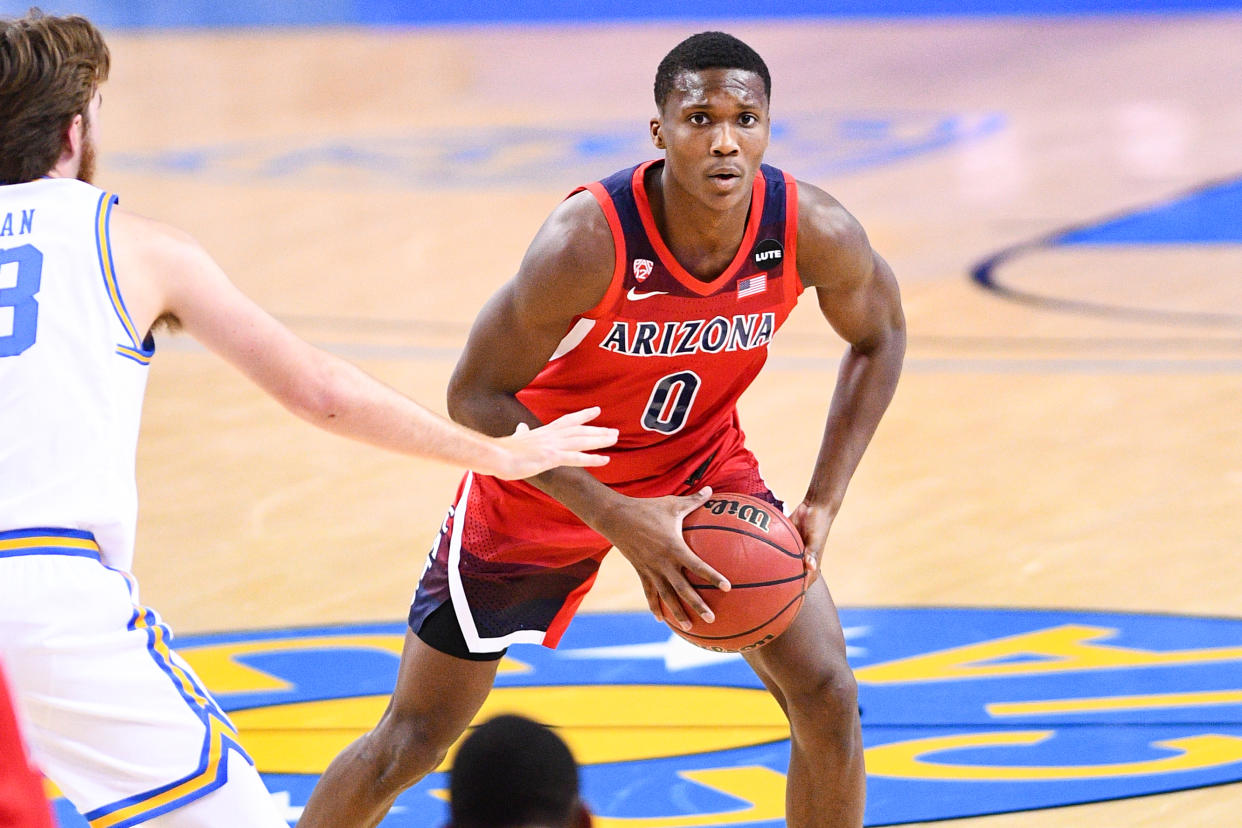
(515, 564)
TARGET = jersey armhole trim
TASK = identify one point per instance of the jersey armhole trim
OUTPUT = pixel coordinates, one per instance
(613, 293)
(794, 285)
(138, 350)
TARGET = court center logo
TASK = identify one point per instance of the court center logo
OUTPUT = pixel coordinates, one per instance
(966, 712)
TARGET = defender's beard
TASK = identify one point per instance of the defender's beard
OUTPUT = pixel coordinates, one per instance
(86, 165)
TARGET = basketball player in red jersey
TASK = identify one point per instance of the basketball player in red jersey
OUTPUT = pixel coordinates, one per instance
(22, 801)
(656, 292)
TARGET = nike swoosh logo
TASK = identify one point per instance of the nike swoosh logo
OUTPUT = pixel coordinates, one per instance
(634, 294)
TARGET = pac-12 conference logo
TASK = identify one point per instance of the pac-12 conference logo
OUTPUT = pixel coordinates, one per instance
(965, 712)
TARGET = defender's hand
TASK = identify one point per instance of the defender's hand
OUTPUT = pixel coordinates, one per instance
(563, 442)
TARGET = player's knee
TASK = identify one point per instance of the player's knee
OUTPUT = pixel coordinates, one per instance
(827, 700)
(404, 750)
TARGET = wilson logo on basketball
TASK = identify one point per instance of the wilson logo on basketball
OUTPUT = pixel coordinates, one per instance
(748, 512)
(748, 648)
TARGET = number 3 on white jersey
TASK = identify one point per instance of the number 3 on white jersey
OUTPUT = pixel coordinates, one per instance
(21, 274)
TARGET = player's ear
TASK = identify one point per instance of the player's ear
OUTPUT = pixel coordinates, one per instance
(71, 140)
(583, 819)
(657, 136)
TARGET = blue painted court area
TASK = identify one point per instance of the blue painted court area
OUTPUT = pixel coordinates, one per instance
(212, 13)
(965, 712)
(1210, 215)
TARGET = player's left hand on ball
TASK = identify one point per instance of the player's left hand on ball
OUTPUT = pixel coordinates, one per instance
(813, 524)
(811, 562)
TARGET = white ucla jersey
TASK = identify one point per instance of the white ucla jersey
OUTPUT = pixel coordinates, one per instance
(73, 370)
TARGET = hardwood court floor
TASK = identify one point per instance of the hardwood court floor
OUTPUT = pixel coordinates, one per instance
(1031, 458)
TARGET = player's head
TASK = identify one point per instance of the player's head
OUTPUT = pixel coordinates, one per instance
(712, 94)
(512, 772)
(708, 50)
(50, 72)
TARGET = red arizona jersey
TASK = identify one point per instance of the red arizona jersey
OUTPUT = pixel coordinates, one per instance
(665, 355)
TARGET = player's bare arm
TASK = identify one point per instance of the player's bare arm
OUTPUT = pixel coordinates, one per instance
(564, 274)
(165, 273)
(858, 295)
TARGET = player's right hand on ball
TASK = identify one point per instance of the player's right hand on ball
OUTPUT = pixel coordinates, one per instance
(565, 441)
(651, 541)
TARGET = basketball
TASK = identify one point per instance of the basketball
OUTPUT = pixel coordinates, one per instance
(752, 543)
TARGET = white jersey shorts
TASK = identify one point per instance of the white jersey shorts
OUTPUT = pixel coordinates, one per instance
(115, 718)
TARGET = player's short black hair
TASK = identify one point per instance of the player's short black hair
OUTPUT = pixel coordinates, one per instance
(708, 50)
(510, 772)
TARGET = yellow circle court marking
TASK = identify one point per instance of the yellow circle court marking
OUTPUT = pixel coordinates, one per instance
(604, 723)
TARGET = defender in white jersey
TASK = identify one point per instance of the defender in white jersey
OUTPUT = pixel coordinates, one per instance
(114, 717)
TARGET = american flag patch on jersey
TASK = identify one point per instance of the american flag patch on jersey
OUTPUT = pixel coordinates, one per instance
(753, 285)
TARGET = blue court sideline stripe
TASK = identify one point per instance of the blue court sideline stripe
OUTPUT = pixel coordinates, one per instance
(211, 13)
